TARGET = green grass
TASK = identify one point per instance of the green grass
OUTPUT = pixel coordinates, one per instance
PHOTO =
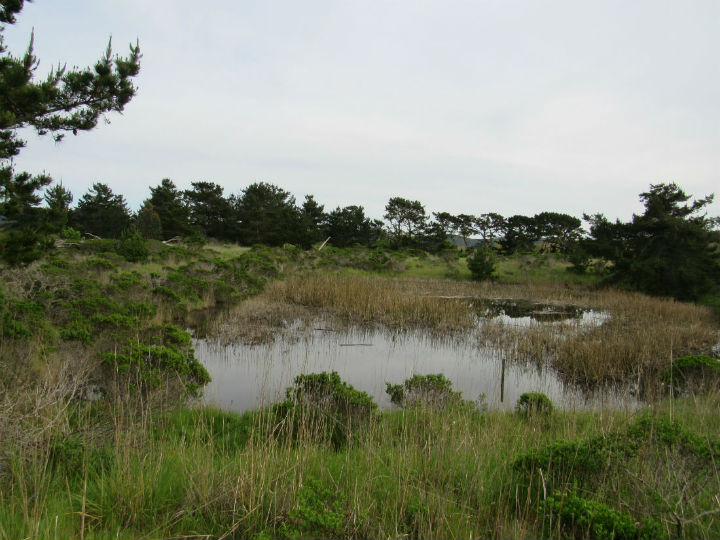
(539, 268)
(227, 251)
(418, 473)
(434, 267)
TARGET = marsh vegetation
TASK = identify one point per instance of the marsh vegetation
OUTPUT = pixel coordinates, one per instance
(121, 448)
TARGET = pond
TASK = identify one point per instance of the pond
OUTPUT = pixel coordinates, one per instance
(250, 376)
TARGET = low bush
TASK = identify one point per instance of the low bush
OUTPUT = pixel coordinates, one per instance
(321, 406)
(574, 516)
(433, 391)
(533, 404)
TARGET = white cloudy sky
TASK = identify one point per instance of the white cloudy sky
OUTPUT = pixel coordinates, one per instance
(468, 106)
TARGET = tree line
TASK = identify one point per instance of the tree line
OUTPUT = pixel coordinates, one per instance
(671, 249)
(264, 213)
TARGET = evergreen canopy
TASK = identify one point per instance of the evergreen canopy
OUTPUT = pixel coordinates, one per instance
(66, 100)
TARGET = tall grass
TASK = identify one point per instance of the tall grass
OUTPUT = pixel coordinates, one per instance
(420, 473)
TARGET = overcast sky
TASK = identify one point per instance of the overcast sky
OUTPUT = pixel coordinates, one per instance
(515, 107)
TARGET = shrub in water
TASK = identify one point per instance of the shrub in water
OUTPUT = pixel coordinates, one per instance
(424, 390)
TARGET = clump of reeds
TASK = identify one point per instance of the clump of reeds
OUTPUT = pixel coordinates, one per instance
(393, 302)
(639, 339)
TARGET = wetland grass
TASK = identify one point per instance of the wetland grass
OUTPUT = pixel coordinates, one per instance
(137, 465)
(638, 339)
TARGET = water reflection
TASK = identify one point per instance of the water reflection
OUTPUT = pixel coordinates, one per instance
(249, 376)
(525, 312)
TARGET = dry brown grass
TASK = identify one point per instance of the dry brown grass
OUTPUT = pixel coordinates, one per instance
(639, 339)
(363, 299)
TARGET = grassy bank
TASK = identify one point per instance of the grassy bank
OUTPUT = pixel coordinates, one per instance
(420, 473)
(87, 323)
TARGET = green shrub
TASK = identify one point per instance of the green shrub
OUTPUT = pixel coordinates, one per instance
(322, 406)
(170, 356)
(425, 391)
(99, 263)
(534, 403)
(167, 292)
(77, 330)
(70, 234)
(481, 264)
(319, 513)
(579, 517)
(132, 246)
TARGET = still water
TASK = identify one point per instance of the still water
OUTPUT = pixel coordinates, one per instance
(250, 376)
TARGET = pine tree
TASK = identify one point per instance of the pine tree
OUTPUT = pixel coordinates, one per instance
(66, 101)
(669, 250)
(101, 212)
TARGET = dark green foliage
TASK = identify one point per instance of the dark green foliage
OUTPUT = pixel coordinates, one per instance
(579, 517)
(349, 226)
(579, 259)
(693, 373)
(481, 264)
(132, 246)
(101, 212)
(406, 218)
(520, 234)
(68, 233)
(669, 250)
(167, 292)
(534, 403)
(77, 330)
(323, 406)
(167, 202)
(23, 233)
(313, 219)
(148, 222)
(210, 212)
(127, 280)
(167, 357)
(379, 260)
(58, 200)
(490, 226)
(66, 101)
(187, 285)
(268, 215)
(559, 232)
(433, 391)
(582, 467)
(99, 264)
(20, 318)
